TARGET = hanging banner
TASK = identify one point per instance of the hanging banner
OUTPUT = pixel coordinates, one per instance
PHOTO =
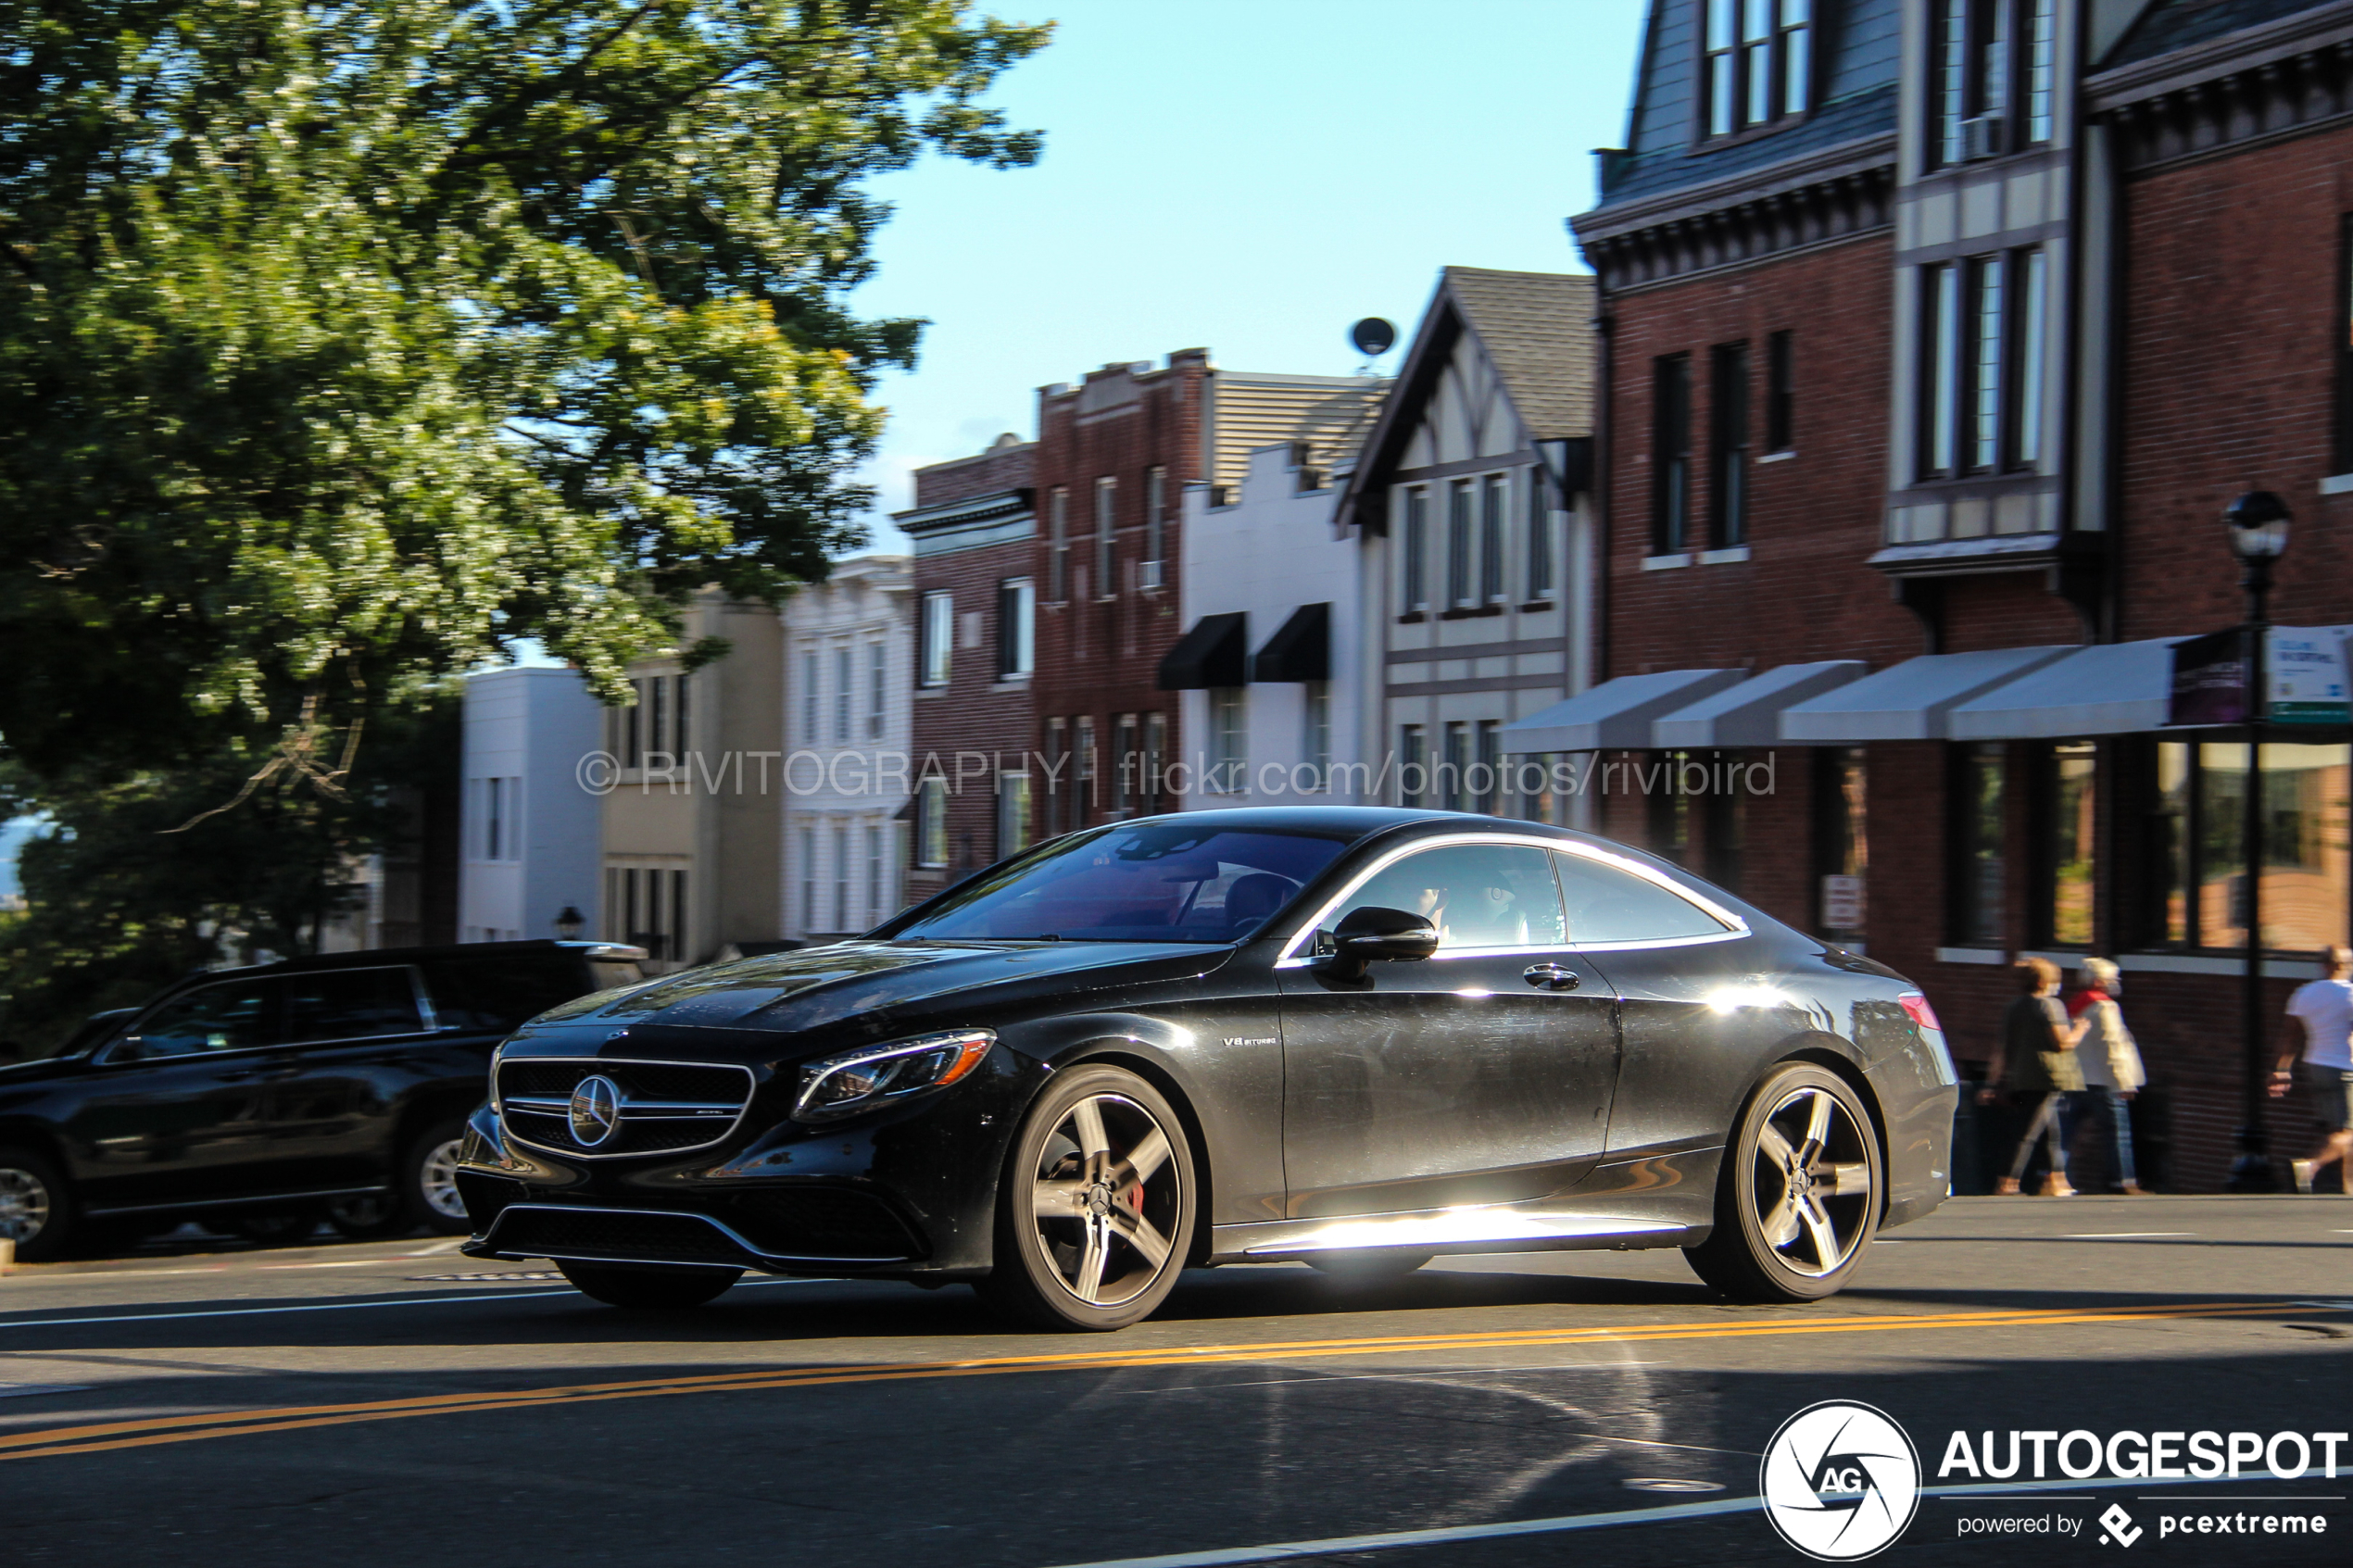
(2304, 676)
(2209, 681)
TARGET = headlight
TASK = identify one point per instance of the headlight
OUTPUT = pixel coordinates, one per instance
(861, 1079)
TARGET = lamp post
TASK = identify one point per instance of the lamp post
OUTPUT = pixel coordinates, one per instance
(569, 925)
(2258, 523)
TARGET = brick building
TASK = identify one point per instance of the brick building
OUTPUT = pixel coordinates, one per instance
(1937, 336)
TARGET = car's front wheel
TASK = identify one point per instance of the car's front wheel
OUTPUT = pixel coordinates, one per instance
(1097, 1210)
(36, 1213)
(647, 1289)
(1799, 1195)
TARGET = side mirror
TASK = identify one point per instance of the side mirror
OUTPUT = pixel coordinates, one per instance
(1376, 936)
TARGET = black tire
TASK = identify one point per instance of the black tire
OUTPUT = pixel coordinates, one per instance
(1798, 1198)
(423, 1191)
(1117, 1221)
(650, 1290)
(37, 1211)
(1370, 1266)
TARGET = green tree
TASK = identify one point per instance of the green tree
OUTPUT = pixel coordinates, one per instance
(342, 345)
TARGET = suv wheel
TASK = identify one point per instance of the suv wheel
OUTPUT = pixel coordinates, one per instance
(36, 1211)
(1798, 1198)
(1096, 1212)
(423, 1192)
(647, 1289)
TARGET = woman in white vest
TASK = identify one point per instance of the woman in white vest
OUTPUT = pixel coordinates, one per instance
(2111, 1064)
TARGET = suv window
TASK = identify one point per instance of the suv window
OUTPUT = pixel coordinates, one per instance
(1607, 904)
(232, 1016)
(350, 1004)
(501, 994)
(1478, 895)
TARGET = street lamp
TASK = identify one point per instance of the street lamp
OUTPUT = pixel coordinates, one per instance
(2258, 523)
(569, 925)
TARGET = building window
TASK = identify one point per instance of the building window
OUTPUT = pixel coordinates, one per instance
(1458, 543)
(1539, 536)
(1759, 62)
(1728, 441)
(1415, 554)
(1671, 453)
(1841, 843)
(841, 877)
(1453, 772)
(931, 822)
(1413, 765)
(656, 736)
(1487, 772)
(844, 692)
(2066, 877)
(1155, 497)
(1980, 865)
(1013, 813)
(810, 706)
(1057, 770)
(1058, 538)
(2344, 463)
(498, 807)
(1993, 59)
(808, 880)
(2196, 860)
(1316, 735)
(1982, 364)
(877, 688)
(1082, 783)
(1016, 629)
(1124, 764)
(1106, 517)
(683, 719)
(1780, 392)
(632, 749)
(939, 637)
(1228, 740)
(1155, 759)
(1494, 496)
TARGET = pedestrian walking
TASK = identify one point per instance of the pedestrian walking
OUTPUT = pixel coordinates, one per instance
(2322, 1012)
(2109, 1060)
(2037, 1065)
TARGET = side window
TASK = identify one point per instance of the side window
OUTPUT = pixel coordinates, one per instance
(233, 1016)
(502, 994)
(1609, 905)
(1478, 895)
(351, 1004)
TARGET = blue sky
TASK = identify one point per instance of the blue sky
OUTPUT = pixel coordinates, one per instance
(1248, 176)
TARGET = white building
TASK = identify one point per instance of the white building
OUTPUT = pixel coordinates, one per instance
(1273, 669)
(530, 829)
(848, 680)
(1472, 502)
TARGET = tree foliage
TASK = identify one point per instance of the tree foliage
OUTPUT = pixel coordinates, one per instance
(344, 344)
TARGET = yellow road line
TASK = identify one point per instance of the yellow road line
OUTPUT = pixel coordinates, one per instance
(106, 1436)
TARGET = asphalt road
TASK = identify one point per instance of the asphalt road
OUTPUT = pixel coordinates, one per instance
(394, 1403)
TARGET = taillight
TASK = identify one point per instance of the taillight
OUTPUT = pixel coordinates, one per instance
(1923, 1016)
(1932, 1033)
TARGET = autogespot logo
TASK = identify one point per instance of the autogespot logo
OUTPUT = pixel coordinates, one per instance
(1841, 1481)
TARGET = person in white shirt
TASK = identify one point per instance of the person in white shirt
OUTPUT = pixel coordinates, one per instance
(2323, 1012)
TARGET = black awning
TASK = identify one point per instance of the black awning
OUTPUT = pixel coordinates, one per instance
(1300, 651)
(1214, 653)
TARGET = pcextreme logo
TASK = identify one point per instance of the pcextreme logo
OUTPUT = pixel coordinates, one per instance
(1840, 1480)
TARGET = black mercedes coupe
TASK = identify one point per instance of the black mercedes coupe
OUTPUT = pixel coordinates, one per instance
(1350, 1036)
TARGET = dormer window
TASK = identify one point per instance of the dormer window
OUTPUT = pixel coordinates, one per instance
(1759, 62)
(1992, 88)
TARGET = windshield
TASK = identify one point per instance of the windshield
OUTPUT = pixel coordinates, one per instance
(1157, 881)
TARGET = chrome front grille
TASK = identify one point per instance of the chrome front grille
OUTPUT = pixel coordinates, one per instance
(660, 1107)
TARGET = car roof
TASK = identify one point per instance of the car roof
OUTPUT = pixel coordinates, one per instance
(376, 958)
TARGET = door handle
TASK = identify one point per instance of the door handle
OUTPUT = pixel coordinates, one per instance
(1551, 977)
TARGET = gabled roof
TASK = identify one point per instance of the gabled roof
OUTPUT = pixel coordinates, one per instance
(1535, 328)
(2168, 25)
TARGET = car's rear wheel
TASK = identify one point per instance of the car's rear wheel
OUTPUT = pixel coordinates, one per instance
(647, 1289)
(36, 1211)
(1799, 1196)
(423, 1191)
(1096, 1212)
(1373, 1264)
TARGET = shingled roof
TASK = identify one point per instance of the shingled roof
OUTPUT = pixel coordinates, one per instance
(1535, 328)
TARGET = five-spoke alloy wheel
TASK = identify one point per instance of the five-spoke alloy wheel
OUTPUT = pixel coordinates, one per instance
(1097, 1211)
(1799, 1197)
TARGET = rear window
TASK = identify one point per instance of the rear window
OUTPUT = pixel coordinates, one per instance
(499, 994)
(1609, 903)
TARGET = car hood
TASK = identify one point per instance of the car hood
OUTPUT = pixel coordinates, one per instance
(812, 986)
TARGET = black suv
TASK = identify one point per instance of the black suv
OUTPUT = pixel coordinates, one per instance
(265, 1098)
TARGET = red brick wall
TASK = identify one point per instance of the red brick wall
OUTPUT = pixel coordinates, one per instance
(1099, 654)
